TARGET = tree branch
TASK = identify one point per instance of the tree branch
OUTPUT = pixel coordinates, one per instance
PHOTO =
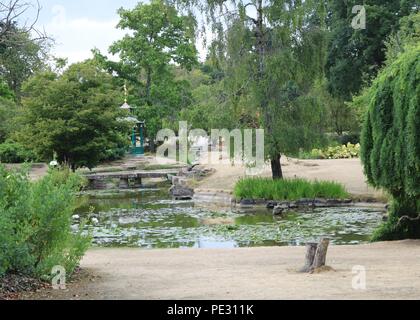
(408, 218)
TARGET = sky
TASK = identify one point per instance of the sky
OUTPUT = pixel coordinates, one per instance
(78, 26)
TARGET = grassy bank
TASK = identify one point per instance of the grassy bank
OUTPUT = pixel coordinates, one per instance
(260, 188)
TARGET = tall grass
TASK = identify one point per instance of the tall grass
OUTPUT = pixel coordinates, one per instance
(261, 188)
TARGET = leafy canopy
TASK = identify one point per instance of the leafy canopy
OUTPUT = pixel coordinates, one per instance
(73, 115)
(391, 143)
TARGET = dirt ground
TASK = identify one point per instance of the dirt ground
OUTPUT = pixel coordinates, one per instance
(349, 172)
(392, 272)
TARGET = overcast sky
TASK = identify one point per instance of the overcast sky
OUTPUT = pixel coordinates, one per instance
(81, 25)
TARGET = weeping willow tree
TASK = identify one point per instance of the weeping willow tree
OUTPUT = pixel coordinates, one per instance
(391, 143)
(272, 53)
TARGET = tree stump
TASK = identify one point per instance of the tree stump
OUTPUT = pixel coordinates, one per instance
(310, 256)
(316, 255)
(321, 254)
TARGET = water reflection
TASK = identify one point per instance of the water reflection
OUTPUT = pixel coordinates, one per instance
(150, 219)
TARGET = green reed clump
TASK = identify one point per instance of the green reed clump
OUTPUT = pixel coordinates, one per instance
(288, 189)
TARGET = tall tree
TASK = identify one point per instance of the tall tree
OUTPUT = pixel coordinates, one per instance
(73, 115)
(8, 110)
(23, 48)
(355, 56)
(159, 36)
(391, 143)
(274, 51)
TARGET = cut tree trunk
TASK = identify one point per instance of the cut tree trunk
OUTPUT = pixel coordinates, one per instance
(316, 255)
(310, 257)
(276, 167)
(321, 254)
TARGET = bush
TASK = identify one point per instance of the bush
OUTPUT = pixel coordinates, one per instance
(35, 223)
(391, 143)
(261, 188)
(11, 152)
(348, 151)
(114, 154)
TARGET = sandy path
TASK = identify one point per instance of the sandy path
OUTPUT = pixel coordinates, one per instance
(349, 172)
(393, 272)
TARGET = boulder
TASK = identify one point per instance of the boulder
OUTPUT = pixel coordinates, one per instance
(293, 205)
(320, 203)
(281, 208)
(181, 192)
(305, 203)
(247, 202)
(278, 211)
(271, 204)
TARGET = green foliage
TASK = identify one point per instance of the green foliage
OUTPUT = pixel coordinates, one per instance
(355, 56)
(266, 70)
(8, 113)
(12, 152)
(5, 92)
(391, 140)
(35, 223)
(407, 35)
(260, 188)
(20, 57)
(348, 151)
(73, 115)
(399, 226)
(159, 39)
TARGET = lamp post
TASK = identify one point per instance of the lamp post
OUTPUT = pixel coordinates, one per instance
(137, 135)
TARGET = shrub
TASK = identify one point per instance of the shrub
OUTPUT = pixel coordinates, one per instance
(11, 152)
(391, 143)
(35, 223)
(261, 188)
(348, 151)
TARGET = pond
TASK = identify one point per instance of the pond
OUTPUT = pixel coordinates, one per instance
(151, 219)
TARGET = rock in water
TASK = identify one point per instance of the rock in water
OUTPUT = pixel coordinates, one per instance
(281, 208)
(271, 204)
(181, 192)
(277, 211)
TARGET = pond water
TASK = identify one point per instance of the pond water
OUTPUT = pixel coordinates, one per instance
(151, 219)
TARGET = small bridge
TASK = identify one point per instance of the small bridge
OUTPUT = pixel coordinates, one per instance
(100, 180)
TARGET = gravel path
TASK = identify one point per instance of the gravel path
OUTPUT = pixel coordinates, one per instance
(392, 272)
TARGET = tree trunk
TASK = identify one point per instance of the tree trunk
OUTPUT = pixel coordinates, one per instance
(152, 145)
(276, 167)
(148, 85)
(321, 254)
(310, 257)
(261, 46)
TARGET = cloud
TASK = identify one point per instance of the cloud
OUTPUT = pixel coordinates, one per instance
(75, 38)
